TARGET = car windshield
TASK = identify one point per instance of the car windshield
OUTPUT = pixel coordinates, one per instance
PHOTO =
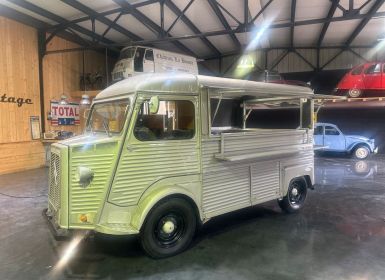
(108, 117)
(127, 53)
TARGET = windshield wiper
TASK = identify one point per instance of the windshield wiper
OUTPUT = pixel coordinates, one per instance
(106, 127)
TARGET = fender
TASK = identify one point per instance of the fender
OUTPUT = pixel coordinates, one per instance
(188, 186)
(354, 145)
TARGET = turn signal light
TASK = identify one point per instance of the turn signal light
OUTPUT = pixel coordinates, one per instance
(83, 218)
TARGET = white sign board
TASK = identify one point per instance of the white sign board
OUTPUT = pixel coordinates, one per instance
(65, 114)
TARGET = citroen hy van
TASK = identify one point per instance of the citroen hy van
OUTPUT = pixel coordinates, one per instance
(136, 60)
(164, 153)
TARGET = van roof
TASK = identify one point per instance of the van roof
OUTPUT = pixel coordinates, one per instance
(166, 83)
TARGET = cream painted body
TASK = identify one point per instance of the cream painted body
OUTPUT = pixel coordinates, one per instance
(216, 173)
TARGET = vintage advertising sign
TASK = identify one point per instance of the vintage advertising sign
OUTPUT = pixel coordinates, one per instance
(65, 114)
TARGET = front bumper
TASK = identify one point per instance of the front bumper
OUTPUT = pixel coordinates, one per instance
(57, 232)
(375, 151)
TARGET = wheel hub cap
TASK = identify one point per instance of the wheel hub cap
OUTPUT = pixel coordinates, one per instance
(294, 192)
(168, 227)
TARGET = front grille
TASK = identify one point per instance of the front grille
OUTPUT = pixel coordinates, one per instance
(54, 181)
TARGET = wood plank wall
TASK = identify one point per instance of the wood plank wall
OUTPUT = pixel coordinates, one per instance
(19, 77)
(61, 75)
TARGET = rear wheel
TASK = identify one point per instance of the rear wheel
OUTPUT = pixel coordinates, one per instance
(354, 93)
(169, 228)
(295, 197)
(361, 152)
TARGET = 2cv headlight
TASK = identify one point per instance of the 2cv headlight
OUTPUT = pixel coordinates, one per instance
(84, 176)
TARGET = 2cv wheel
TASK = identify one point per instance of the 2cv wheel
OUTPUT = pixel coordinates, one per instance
(361, 152)
(295, 197)
(354, 93)
(169, 228)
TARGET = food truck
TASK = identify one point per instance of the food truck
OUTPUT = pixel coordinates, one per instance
(138, 60)
(164, 153)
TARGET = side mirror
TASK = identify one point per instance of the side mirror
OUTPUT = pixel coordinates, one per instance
(154, 104)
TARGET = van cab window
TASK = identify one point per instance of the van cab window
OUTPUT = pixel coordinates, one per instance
(329, 130)
(138, 60)
(175, 120)
(149, 55)
(108, 117)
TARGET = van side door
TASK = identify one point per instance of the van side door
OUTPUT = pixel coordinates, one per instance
(334, 139)
(148, 61)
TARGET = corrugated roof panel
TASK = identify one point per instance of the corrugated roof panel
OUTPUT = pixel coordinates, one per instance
(27, 12)
(279, 37)
(59, 8)
(130, 23)
(223, 43)
(373, 30)
(236, 10)
(311, 9)
(201, 14)
(339, 31)
(100, 5)
(307, 35)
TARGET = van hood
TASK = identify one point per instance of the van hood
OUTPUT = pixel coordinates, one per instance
(89, 138)
(358, 137)
(123, 64)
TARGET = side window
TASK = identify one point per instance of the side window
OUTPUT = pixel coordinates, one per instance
(329, 130)
(175, 120)
(318, 130)
(149, 55)
(373, 69)
(357, 70)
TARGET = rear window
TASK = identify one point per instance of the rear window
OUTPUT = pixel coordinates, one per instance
(357, 70)
(374, 68)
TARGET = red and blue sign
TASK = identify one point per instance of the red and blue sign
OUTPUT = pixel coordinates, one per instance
(67, 114)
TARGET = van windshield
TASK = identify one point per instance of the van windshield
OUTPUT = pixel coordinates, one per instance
(127, 53)
(108, 117)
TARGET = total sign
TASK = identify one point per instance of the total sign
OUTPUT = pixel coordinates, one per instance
(67, 114)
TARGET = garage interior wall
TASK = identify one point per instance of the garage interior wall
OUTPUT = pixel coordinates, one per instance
(290, 62)
(19, 78)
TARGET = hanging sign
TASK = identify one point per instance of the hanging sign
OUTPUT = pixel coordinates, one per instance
(67, 114)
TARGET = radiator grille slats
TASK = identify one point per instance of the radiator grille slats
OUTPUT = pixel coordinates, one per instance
(54, 182)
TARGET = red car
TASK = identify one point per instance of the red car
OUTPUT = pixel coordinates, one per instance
(363, 80)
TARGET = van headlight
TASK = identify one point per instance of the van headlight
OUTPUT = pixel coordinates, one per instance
(84, 176)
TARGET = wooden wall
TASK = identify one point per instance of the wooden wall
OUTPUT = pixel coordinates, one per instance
(61, 75)
(19, 77)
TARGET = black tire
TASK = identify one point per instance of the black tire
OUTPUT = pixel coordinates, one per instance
(354, 93)
(169, 228)
(295, 197)
(361, 152)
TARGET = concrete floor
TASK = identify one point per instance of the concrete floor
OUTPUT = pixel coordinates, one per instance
(340, 234)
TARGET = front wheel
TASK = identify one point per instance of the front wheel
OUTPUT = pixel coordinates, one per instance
(169, 228)
(354, 93)
(361, 152)
(295, 197)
